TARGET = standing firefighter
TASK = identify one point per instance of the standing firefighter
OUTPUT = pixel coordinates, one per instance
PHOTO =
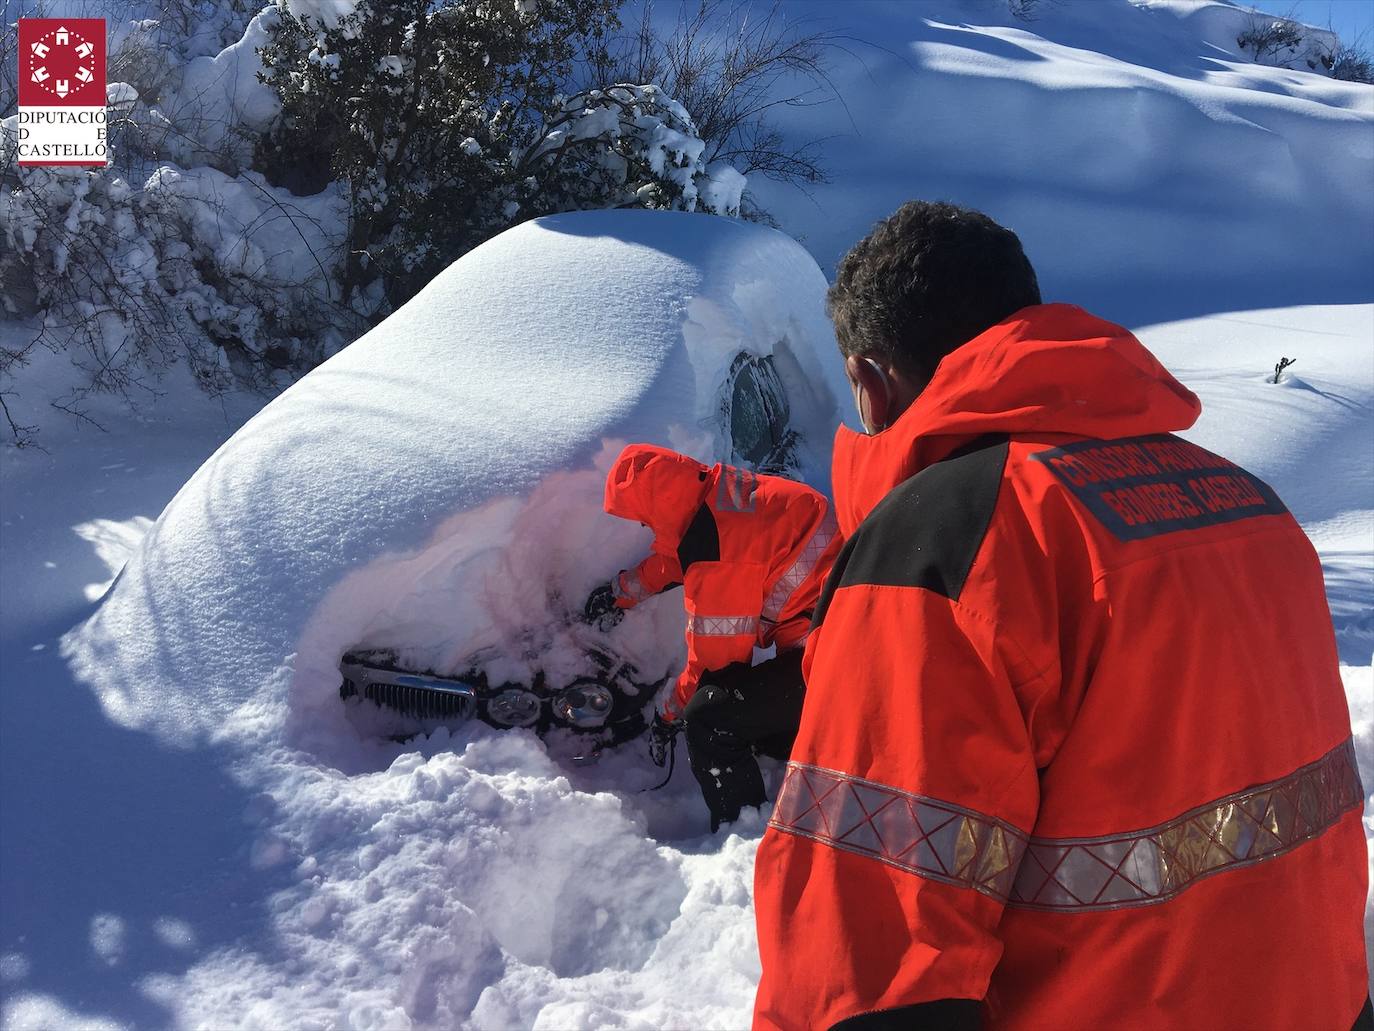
(1075, 751)
(751, 553)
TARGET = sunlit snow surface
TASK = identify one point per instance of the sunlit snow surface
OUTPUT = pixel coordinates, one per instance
(194, 836)
(1149, 167)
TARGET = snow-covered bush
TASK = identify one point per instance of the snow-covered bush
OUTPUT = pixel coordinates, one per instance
(327, 159)
(630, 146)
(735, 67)
(142, 265)
(1271, 40)
(192, 65)
(151, 52)
(447, 123)
(222, 273)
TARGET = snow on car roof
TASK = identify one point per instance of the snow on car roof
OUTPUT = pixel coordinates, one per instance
(538, 353)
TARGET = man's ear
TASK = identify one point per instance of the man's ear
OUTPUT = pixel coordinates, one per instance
(872, 395)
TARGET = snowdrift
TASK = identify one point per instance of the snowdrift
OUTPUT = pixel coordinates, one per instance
(437, 486)
(1151, 168)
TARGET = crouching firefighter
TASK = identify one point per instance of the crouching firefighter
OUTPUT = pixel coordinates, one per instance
(751, 553)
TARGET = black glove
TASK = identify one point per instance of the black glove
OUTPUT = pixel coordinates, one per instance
(661, 734)
(601, 609)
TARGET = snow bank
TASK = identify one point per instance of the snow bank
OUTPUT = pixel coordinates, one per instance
(1151, 169)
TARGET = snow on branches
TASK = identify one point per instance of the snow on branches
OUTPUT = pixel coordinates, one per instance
(448, 123)
(221, 274)
(272, 198)
(635, 146)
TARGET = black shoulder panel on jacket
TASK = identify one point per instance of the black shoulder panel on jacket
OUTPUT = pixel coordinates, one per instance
(927, 531)
(701, 542)
(940, 1015)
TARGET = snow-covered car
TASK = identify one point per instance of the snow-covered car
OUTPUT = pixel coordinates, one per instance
(435, 489)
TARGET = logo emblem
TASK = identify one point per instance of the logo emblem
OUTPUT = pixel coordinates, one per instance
(62, 62)
(62, 92)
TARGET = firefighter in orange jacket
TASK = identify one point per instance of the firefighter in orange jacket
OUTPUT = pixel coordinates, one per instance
(1075, 751)
(751, 553)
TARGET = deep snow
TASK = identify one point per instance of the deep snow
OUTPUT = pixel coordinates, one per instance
(194, 836)
(437, 487)
(1152, 170)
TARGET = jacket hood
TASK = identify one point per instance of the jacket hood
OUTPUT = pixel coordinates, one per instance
(1047, 369)
(657, 487)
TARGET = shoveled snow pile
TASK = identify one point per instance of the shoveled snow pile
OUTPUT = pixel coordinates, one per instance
(436, 488)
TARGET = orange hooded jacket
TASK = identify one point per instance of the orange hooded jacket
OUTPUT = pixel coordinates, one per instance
(751, 552)
(1075, 743)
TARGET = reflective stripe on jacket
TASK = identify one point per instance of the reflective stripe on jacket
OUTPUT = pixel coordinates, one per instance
(1075, 743)
(751, 552)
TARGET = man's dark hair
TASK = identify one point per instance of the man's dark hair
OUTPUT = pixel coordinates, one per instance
(929, 278)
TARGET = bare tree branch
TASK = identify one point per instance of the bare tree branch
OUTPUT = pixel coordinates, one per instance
(733, 69)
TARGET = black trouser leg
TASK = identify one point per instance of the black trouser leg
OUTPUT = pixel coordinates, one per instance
(723, 764)
(737, 711)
